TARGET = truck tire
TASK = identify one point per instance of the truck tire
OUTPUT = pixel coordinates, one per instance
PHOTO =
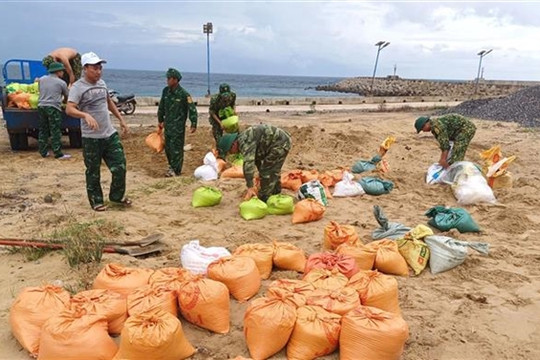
(75, 140)
(18, 141)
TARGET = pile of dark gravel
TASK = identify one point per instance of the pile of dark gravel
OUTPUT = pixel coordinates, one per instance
(522, 107)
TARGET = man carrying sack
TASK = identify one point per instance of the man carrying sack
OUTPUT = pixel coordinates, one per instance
(264, 147)
(221, 107)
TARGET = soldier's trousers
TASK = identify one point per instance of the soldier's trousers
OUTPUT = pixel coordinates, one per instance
(461, 143)
(217, 131)
(50, 120)
(270, 168)
(175, 135)
(111, 151)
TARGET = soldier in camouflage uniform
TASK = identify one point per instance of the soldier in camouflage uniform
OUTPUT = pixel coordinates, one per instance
(451, 127)
(174, 107)
(264, 147)
(218, 109)
(71, 60)
(89, 100)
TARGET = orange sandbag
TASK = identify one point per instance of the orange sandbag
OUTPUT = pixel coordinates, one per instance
(221, 164)
(336, 234)
(291, 180)
(307, 210)
(363, 255)
(326, 279)
(262, 254)
(315, 334)
(238, 273)
(32, 307)
(376, 289)
(345, 264)
(153, 335)
(171, 277)
(289, 257)
(336, 301)
(371, 333)
(299, 288)
(21, 100)
(121, 279)
(388, 259)
(149, 297)
(268, 323)
(155, 141)
(234, 172)
(326, 179)
(206, 303)
(76, 334)
(103, 302)
(308, 175)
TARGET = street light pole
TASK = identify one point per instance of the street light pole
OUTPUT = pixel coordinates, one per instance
(208, 29)
(381, 45)
(481, 54)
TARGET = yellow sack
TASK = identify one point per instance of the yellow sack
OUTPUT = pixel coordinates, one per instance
(155, 141)
(415, 252)
(503, 181)
(419, 232)
(389, 141)
(492, 155)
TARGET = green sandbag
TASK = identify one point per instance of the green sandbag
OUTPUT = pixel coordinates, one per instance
(33, 88)
(236, 159)
(253, 209)
(364, 165)
(225, 112)
(230, 124)
(280, 204)
(376, 186)
(23, 88)
(33, 101)
(206, 196)
(12, 88)
(444, 219)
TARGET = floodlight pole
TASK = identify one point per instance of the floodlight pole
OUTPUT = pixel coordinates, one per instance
(481, 54)
(208, 29)
(381, 45)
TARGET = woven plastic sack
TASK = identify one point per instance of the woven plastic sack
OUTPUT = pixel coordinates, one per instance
(345, 264)
(31, 308)
(76, 334)
(377, 290)
(171, 278)
(209, 170)
(336, 234)
(339, 301)
(415, 252)
(155, 141)
(388, 259)
(348, 187)
(234, 172)
(363, 255)
(291, 180)
(468, 183)
(435, 174)
(444, 219)
(262, 254)
(150, 297)
(253, 209)
(153, 335)
(121, 279)
(326, 279)
(447, 253)
(313, 190)
(371, 333)
(388, 229)
(315, 334)
(299, 288)
(206, 196)
(309, 175)
(196, 258)
(268, 323)
(307, 210)
(239, 274)
(376, 186)
(280, 204)
(228, 111)
(206, 303)
(230, 124)
(103, 302)
(289, 257)
(366, 165)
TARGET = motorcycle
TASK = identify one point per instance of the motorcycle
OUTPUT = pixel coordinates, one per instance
(124, 103)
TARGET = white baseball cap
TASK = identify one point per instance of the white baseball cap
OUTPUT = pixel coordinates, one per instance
(91, 58)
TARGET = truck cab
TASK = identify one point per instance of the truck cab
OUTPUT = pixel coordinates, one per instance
(21, 123)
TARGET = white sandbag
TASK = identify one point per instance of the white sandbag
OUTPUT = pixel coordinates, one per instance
(348, 187)
(208, 171)
(196, 258)
(468, 183)
(313, 190)
(447, 253)
(435, 174)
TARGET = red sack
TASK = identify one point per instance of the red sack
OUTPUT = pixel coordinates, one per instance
(345, 264)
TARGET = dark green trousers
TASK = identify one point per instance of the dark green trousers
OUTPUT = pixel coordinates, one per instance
(217, 131)
(50, 120)
(111, 151)
(270, 167)
(175, 135)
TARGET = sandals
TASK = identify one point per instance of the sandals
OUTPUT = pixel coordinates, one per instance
(100, 207)
(125, 202)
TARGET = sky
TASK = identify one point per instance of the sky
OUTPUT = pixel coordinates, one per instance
(428, 40)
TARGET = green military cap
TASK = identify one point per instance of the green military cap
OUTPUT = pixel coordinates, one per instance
(56, 66)
(225, 143)
(174, 74)
(223, 88)
(420, 122)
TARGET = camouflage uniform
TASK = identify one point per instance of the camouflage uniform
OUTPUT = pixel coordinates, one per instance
(50, 120)
(264, 147)
(112, 152)
(456, 128)
(225, 98)
(173, 111)
(75, 63)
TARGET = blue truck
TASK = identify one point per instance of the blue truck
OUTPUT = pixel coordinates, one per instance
(22, 123)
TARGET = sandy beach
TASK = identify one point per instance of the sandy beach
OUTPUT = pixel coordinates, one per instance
(487, 308)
